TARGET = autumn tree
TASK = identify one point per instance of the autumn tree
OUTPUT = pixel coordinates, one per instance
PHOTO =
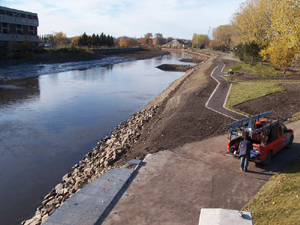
(223, 36)
(74, 41)
(274, 24)
(200, 40)
(60, 38)
(158, 40)
(148, 39)
(252, 21)
(125, 42)
(169, 39)
(284, 33)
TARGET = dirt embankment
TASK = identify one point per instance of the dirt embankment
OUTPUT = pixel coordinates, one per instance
(175, 117)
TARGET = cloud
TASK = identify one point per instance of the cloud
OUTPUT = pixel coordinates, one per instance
(175, 18)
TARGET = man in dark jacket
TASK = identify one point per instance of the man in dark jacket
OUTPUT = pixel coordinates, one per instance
(245, 147)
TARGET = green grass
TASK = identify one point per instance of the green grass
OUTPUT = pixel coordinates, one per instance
(278, 201)
(240, 93)
(258, 70)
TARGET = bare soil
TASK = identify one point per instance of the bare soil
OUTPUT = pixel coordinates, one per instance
(183, 117)
(283, 103)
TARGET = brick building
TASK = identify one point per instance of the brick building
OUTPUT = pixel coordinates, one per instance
(18, 25)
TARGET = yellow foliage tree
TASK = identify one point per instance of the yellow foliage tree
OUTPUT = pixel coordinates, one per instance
(200, 40)
(223, 36)
(125, 42)
(60, 38)
(75, 40)
(252, 21)
(284, 33)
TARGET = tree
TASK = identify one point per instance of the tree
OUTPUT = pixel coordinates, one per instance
(94, 40)
(25, 44)
(12, 46)
(148, 39)
(200, 40)
(158, 40)
(223, 36)
(253, 21)
(281, 55)
(284, 33)
(125, 42)
(249, 52)
(75, 41)
(84, 39)
(60, 38)
(169, 39)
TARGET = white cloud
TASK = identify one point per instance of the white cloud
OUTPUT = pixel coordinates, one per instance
(175, 18)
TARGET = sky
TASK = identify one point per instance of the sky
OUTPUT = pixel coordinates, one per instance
(132, 18)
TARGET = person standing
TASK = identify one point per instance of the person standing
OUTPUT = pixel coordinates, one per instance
(245, 147)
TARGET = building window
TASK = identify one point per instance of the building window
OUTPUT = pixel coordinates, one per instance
(31, 30)
(2, 12)
(19, 29)
(5, 28)
(9, 13)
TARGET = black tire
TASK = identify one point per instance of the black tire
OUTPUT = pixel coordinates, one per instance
(268, 159)
(290, 144)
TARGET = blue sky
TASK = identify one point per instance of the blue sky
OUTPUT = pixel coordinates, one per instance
(133, 18)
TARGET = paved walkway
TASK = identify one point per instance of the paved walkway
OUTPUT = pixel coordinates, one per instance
(95, 201)
(175, 184)
(218, 98)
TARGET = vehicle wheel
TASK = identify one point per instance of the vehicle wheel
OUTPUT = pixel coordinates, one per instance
(268, 159)
(289, 145)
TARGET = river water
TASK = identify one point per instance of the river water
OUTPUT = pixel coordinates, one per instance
(53, 117)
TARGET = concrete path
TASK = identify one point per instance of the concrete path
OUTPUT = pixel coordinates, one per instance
(218, 98)
(174, 185)
(95, 201)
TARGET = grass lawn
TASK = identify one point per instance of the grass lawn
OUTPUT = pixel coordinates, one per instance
(278, 201)
(240, 92)
(262, 72)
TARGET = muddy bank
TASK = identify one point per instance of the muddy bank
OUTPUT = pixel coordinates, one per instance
(127, 141)
(175, 67)
(62, 56)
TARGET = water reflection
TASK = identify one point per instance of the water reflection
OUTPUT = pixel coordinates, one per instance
(17, 91)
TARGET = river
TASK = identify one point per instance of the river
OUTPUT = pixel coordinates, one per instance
(51, 118)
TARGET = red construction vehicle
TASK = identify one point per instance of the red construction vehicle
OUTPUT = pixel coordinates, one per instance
(268, 137)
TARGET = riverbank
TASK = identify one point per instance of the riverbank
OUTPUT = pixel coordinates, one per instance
(112, 151)
(175, 117)
(77, 55)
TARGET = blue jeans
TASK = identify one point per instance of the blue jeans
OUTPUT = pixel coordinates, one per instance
(244, 161)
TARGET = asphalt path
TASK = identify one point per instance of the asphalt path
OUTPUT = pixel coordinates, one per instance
(174, 185)
(218, 98)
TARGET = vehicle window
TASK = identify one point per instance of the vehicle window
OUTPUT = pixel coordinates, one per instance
(285, 130)
(280, 131)
(273, 133)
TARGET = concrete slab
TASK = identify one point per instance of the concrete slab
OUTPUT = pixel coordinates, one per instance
(94, 202)
(224, 217)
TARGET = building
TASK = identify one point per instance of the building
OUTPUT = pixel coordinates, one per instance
(175, 43)
(18, 25)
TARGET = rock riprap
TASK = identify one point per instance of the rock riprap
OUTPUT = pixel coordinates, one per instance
(94, 164)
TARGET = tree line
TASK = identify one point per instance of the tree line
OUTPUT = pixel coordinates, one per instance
(96, 40)
(263, 30)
